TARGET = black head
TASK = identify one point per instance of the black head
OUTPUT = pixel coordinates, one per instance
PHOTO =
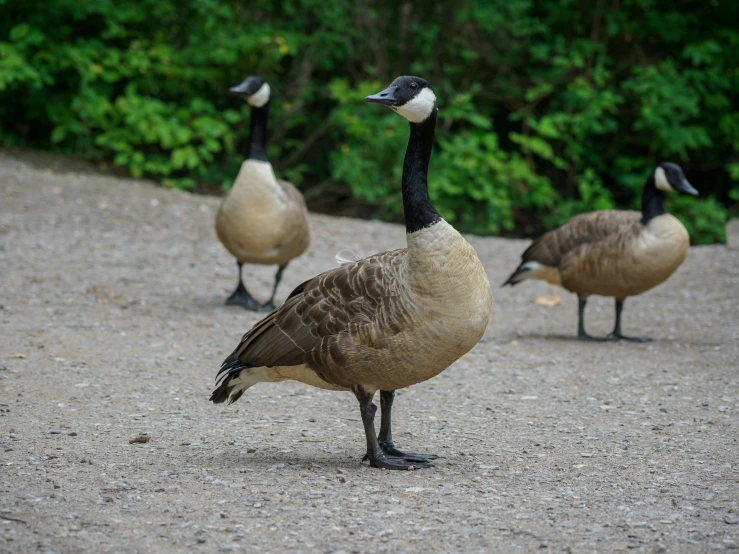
(411, 97)
(254, 90)
(669, 177)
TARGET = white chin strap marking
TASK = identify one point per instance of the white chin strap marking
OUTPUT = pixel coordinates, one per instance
(660, 180)
(419, 108)
(259, 98)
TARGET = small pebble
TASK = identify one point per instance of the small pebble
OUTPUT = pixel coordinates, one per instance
(731, 520)
(140, 439)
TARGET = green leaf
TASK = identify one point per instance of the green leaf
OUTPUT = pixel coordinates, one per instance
(58, 134)
(19, 31)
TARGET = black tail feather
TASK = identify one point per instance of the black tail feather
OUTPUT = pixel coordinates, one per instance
(221, 394)
(519, 271)
(230, 367)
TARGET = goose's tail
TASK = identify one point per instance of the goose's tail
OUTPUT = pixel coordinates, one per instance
(523, 271)
(534, 270)
(233, 379)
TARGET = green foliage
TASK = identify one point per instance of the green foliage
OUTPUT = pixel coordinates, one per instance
(547, 109)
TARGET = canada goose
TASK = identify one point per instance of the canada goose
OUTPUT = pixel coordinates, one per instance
(262, 220)
(613, 253)
(384, 322)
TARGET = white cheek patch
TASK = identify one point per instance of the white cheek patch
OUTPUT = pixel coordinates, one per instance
(419, 108)
(261, 97)
(660, 180)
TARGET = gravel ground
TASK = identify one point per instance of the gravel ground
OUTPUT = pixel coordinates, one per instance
(113, 325)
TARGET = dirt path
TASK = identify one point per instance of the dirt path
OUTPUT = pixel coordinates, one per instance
(113, 324)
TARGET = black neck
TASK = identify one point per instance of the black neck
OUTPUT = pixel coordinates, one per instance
(258, 134)
(417, 207)
(651, 201)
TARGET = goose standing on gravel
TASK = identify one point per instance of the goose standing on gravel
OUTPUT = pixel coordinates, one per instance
(262, 220)
(384, 322)
(613, 253)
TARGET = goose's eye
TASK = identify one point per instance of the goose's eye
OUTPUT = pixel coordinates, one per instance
(414, 85)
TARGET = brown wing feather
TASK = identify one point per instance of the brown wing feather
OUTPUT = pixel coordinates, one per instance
(337, 300)
(552, 247)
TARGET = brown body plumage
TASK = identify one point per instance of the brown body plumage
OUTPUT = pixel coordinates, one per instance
(612, 253)
(263, 220)
(383, 323)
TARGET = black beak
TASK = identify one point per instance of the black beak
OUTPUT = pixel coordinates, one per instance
(247, 87)
(386, 97)
(687, 188)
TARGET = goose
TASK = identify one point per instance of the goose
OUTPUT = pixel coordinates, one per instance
(612, 252)
(262, 219)
(383, 322)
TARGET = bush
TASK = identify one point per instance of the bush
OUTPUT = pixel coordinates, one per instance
(548, 109)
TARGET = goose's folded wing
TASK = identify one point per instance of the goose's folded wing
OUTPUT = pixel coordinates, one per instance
(350, 295)
(590, 228)
(295, 196)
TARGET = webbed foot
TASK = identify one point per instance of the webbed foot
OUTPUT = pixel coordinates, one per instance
(390, 450)
(384, 461)
(241, 297)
